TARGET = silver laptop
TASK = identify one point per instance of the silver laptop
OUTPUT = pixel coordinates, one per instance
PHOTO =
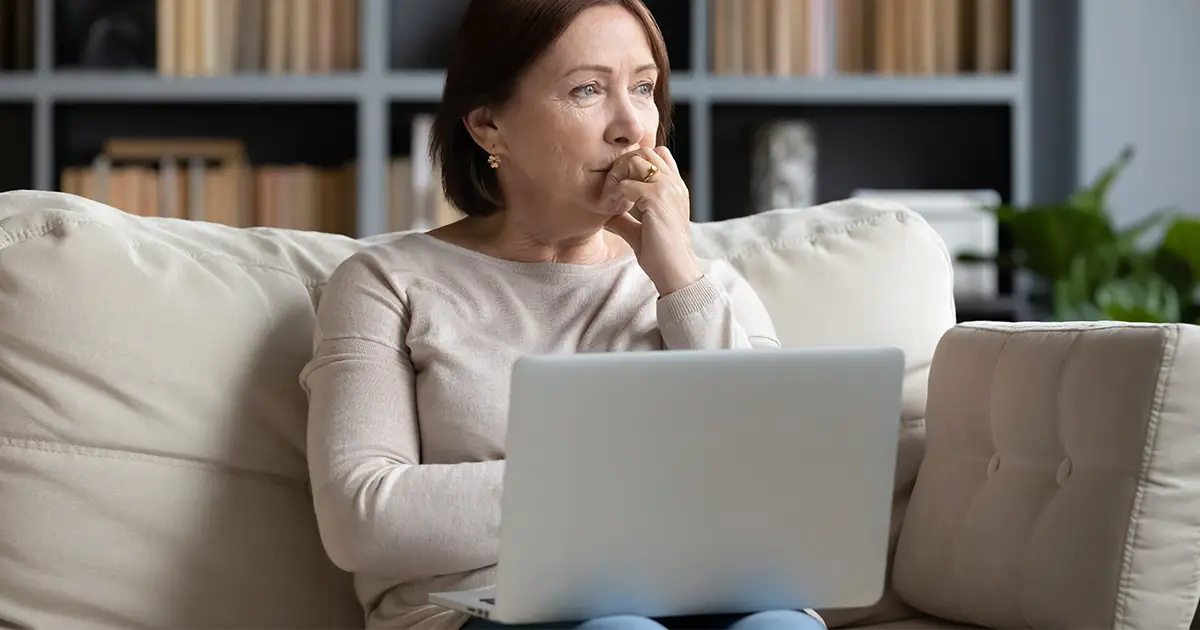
(694, 482)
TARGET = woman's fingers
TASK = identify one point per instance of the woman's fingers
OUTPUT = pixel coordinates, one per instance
(637, 165)
(637, 193)
(666, 155)
(651, 156)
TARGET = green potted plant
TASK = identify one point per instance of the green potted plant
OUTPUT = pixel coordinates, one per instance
(1089, 269)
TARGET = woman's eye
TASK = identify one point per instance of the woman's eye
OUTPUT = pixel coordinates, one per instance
(645, 88)
(586, 90)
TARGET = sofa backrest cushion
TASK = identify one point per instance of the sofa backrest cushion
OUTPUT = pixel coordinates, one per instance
(1061, 486)
(152, 429)
(851, 272)
(152, 426)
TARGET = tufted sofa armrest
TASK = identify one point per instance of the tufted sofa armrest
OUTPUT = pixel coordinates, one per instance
(1061, 481)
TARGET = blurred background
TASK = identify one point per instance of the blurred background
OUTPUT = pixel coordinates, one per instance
(1054, 143)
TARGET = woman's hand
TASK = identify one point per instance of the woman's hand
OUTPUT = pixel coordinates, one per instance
(652, 208)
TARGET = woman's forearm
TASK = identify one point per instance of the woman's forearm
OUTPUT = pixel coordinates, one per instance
(379, 509)
(411, 521)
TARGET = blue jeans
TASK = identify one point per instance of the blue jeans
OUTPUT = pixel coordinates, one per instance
(768, 620)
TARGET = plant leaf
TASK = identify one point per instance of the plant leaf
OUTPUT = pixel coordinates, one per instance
(1127, 239)
(1004, 212)
(1183, 239)
(1049, 239)
(1072, 294)
(1093, 198)
(1175, 269)
(1140, 299)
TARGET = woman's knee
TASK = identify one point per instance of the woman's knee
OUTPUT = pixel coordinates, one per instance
(621, 622)
(778, 620)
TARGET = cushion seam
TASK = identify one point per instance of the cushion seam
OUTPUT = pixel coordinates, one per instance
(199, 257)
(16, 238)
(782, 243)
(66, 448)
(1150, 442)
(959, 607)
(1195, 581)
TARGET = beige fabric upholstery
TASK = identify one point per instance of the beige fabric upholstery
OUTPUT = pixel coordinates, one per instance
(152, 428)
(1061, 483)
(152, 453)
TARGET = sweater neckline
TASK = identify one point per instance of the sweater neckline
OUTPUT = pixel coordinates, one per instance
(541, 268)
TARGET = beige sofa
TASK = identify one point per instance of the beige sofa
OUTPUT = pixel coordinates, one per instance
(152, 428)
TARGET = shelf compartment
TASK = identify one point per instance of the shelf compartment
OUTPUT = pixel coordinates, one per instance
(674, 18)
(16, 161)
(18, 36)
(218, 38)
(422, 34)
(104, 35)
(818, 37)
(289, 143)
(410, 173)
(310, 133)
(887, 147)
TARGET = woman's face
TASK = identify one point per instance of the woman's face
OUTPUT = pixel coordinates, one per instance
(588, 100)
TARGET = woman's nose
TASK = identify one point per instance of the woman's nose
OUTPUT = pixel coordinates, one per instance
(625, 128)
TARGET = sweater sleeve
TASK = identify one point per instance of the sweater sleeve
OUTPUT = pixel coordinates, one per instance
(719, 311)
(379, 510)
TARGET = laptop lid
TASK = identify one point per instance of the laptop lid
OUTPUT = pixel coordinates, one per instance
(685, 482)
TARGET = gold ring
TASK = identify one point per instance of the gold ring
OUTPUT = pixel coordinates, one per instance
(652, 173)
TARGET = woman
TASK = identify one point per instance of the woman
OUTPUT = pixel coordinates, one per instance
(576, 239)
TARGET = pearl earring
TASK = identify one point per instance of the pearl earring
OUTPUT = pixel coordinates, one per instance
(494, 160)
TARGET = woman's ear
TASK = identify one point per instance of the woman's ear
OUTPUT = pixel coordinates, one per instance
(481, 124)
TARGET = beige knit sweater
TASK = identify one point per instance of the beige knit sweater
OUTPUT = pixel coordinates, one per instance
(408, 389)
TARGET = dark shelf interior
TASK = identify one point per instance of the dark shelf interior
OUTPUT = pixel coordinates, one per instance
(421, 34)
(16, 160)
(105, 34)
(680, 141)
(18, 35)
(674, 18)
(884, 146)
(318, 134)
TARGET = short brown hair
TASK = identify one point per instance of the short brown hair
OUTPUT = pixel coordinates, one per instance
(496, 42)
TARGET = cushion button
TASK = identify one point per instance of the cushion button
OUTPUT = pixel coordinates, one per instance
(993, 465)
(1064, 471)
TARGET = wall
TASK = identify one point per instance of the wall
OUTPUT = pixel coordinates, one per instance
(1140, 84)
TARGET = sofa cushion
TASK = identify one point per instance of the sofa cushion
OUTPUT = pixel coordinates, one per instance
(1061, 482)
(152, 426)
(851, 272)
